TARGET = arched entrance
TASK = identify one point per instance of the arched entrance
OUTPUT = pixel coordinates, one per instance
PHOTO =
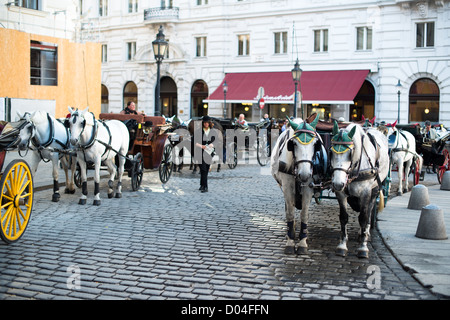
(130, 93)
(168, 95)
(424, 101)
(199, 92)
(105, 99)
(364, 103)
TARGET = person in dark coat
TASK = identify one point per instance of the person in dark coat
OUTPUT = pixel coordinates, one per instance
(207, 145)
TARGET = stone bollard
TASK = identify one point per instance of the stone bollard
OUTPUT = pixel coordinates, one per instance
(445, 183)
(431, 223)
(419, 197)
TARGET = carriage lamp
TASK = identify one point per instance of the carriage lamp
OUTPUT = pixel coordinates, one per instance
(159, 50)
(296, 74)
(398, 86)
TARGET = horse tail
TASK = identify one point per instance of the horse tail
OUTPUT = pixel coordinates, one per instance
(381, 202)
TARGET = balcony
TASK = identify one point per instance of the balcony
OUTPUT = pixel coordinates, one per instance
(159, 15)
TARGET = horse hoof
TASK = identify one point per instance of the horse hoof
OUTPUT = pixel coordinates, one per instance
(110, 195)
(68, 191)
(118, 195)
(97, 202)
(82, 201)
(399, 193)
(302, 250)
(289, 250)
(56, 197)
(363, 254)
(341, 252)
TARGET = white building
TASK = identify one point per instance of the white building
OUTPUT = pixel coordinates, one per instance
(352, 53)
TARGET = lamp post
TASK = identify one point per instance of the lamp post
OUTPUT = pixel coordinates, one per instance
(296, 74)
(398, 86)
(225, 90)
(159, 50)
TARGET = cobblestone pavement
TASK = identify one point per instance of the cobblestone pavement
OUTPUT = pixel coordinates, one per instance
(173, 242)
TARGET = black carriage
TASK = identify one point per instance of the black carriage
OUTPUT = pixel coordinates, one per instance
(435, 153)
(16, 185)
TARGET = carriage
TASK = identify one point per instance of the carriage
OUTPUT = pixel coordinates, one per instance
(435, 153)
(150, 146)
(16, 185)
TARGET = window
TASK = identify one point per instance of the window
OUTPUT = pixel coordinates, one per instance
(243, 45)
(363, 38)
(424, 101)
(30, 4)
(200, 47)
(280, 42)
(321, 40)
(425, 35)
(132, 6)
(166, 4)
(202, 2)
(103, 8)
(104, 53)
(43, 63)
(131, 50)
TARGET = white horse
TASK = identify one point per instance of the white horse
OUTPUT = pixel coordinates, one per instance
(50, 141)
(99, 142)
(402, 148)
(292, 168)
(359, 165)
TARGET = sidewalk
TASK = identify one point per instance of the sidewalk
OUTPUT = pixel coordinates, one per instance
(427, 260)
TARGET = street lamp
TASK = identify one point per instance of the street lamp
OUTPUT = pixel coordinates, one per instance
(296, 74)
(398, 86)
(159, 50)
(225, 90)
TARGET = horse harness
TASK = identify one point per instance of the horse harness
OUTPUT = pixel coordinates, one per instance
(406, 151)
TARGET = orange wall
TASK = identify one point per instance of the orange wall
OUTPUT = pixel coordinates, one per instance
(79, 72)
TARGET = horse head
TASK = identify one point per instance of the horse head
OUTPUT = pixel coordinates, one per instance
(342, 155)
(79, 121)
(27, 131)
(391, 133)
(302, 145)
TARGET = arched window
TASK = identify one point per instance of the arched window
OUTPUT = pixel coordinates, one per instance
(424, 101)
(105, 99)
(199, 93)
(130, 93)
(364, 103)
(169, 97)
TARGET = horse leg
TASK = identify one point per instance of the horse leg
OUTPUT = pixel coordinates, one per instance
(400, 177)
(84, 191)
(112, 173)
(97, 164)
(407, 168)
(341, 249)
(289, 198)
(56, 196)
(65, 161)
(120, 171)
(307, 194)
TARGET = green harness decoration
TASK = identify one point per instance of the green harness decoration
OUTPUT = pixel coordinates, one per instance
(342, 140)
(304, 133)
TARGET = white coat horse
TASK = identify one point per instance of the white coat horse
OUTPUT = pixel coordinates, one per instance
(359, 165)
(292, 168)
(50, 140)
(402, 148)
(98, 142)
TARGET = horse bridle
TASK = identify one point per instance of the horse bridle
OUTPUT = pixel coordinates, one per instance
(311, 162)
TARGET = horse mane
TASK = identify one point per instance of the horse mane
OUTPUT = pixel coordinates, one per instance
(89, 117)
(39, 117)
(356, 154)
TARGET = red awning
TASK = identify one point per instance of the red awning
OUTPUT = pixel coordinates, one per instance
(326, 87)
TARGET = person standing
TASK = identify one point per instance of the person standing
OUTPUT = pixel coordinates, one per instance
(207, 145)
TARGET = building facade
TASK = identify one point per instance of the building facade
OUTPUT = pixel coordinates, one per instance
(43, 67)
(386, 59)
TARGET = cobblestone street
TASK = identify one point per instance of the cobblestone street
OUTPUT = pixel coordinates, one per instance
(173, 242)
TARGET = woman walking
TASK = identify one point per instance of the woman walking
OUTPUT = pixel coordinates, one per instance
(207, 153)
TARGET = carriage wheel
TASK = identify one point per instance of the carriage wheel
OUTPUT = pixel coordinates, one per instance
(445, 165)
(77, 176)
(165, 169)
(263, 151)
(16, 200)
(234, 160)
(137, 171)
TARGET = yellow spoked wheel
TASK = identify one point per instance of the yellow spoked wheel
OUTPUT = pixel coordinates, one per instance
(16, 200)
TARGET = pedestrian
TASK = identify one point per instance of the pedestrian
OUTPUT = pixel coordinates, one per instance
(131, 109)
(241, 121)
(207, 153)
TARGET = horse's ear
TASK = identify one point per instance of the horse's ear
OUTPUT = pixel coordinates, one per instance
(394, 124)
(363, 118)
(373, 120)
(71, 110)
(314, 123)
(352, 132)
(20, 116)
(293, 124)
(335, 128)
